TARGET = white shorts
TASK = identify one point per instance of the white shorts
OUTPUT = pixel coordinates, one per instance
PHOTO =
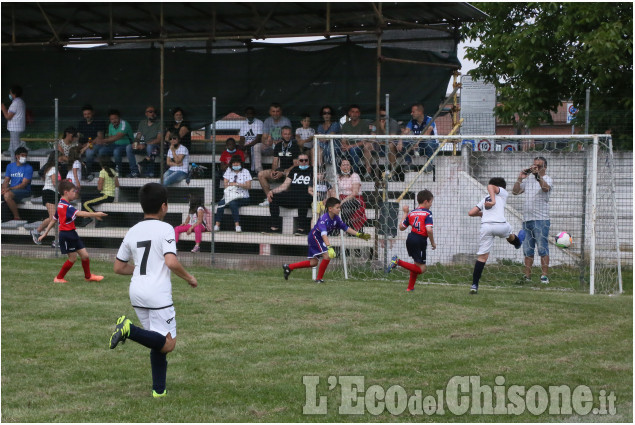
(488, 232)
(161, 321)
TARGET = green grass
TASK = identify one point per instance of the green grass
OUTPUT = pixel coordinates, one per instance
(245, 340)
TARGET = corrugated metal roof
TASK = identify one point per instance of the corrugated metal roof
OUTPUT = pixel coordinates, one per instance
(61, 23)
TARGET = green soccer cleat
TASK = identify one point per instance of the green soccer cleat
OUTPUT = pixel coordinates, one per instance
(121, 333)
(157, 395)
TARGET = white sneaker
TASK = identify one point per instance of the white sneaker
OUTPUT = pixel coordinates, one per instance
(238, 229)
(264, 203)
(216, 228)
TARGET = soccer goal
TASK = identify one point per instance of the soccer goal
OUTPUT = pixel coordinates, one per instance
(590, 199)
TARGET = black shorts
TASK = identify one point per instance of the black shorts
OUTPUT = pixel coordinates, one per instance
(48, 197)
(417, 245)
(70, 242)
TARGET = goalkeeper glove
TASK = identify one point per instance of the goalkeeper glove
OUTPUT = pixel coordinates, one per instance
(331, 252)
(362, 235)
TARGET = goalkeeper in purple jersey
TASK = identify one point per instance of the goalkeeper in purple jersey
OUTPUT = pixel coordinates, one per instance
(319, 244)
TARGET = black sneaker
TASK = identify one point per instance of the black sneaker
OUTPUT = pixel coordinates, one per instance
(287, 271)
(319, 280)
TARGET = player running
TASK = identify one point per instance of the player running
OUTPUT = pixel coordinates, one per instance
(151, 246)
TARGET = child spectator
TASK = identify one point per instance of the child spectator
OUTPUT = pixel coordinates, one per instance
(420, 219)
(151, 246)
(319, 244)
(304, 135)
(108, 181)
(491, 209)
(48, 196)
(195, 221)
(70, 242)
(237, 185)
(228, 154)
(75, 173)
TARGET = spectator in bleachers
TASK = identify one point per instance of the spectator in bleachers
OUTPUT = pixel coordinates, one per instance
(358, 150)
(16, 119)
(271, 135)
(146, 143)
(181, 127)
(304, 135)
(237, 184)
(416, 126)
(293, 193)
(250, 133)
(106, 185)
(118, 137)
(353, 206)
(90, 133)
(195, 222)
(177, 160)
(48, 195)
(330, 126)
(379, 128)
(74, 173)
(285, 156)
(64, 146)
(17, 181)
(228, 154)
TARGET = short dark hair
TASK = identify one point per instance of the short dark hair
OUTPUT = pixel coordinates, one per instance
(305, 115)
(20, 151)
(178, 109)
(65, 186)
(250, 108)
(230, 138)
(424, 195)
(498, 181)
(331, 202)
(418, 105)
(235, 159)
(286, 127)
(16, 90)
(87, 107)
(114, 112)
(354, 106)
(275, 105)
(71, 130)
(152, 196)
(541, 158)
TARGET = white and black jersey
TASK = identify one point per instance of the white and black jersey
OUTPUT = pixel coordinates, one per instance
(147, 243)
(496, 214)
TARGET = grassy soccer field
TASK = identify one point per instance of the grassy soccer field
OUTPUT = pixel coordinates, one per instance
(246, 339)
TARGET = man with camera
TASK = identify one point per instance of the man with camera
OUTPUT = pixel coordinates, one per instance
(536, 185)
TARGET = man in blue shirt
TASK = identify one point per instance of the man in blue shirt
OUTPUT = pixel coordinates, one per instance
(416, 126)
(17, 181)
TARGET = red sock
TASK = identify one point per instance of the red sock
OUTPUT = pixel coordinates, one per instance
(413, 279)
(86, 266)
(409, 266)
(300, 265)
(65, 268)
(323, 265)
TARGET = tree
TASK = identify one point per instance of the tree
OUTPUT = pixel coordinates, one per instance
(539, 54)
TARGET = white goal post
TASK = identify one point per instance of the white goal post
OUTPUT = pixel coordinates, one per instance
(584, 203)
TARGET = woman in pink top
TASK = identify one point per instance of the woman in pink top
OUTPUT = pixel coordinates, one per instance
(350, 189)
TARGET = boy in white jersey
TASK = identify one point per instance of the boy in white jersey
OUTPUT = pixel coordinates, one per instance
(152, 247)
(491, 209)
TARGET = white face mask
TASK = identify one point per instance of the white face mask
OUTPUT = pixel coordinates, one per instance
(22, 160)
(179, 121)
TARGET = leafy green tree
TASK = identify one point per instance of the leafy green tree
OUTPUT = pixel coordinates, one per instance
(538, 54)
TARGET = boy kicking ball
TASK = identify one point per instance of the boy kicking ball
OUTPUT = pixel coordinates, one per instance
(319, 244)
(420, 219)
(491, 209)
(151, 246)
(70, 242)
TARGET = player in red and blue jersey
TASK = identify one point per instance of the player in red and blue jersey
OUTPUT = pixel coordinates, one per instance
(69, 242)
(319, 244)
(420, 219)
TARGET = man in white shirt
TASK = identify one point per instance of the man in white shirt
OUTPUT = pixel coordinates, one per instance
(536, 223)
(491, 209)
(151, 246)
(250, 133)
(16, 118)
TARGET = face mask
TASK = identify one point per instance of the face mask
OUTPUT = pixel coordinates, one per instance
(304, 167)
(10, 97)
(346, 173)
(22, 160)
(179, 122)
(231, 150)
(236, 167)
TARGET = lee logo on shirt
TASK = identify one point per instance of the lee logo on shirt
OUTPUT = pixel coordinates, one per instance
(301, 179)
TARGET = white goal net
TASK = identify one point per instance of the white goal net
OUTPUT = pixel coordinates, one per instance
(591, 200)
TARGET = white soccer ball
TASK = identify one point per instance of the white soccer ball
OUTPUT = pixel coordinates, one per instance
(563, 240)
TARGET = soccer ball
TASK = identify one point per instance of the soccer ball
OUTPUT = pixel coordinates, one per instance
(563, 240)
